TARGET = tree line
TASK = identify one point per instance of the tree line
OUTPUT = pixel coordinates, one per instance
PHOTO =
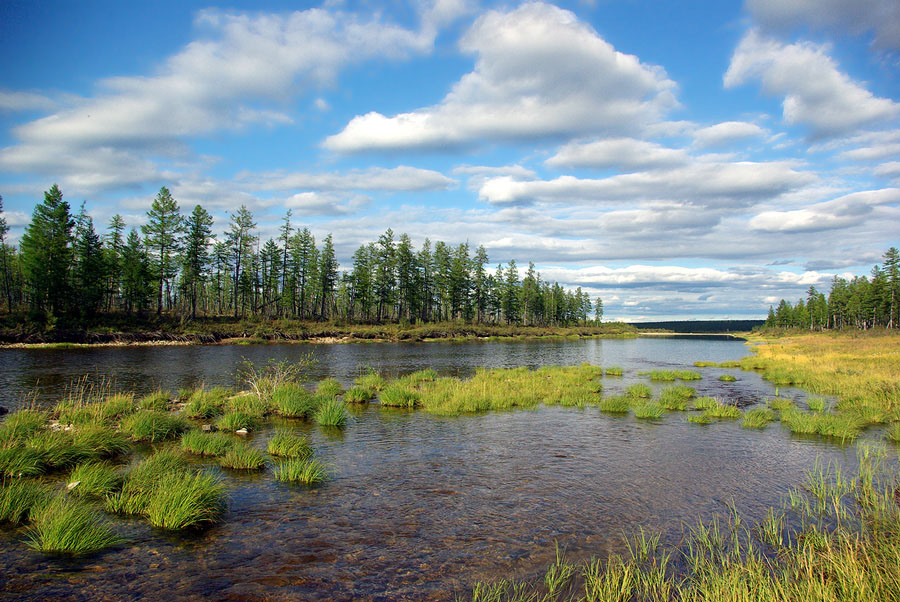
(860, 303)
(175, 265)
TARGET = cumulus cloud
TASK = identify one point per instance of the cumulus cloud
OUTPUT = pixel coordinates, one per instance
(402, 178)
(846, 211)
(539, 73)
(242, 72)
(626, 154)
(816, 93)
(726, 133)
(709, 184)
(856, 16)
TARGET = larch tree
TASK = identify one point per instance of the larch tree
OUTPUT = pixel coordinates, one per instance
(47, 253)
(162, 232)
(195, 259)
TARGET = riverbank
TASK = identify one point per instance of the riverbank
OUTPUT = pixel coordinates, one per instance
(245, 332)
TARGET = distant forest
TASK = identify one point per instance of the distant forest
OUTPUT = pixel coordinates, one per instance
(175, 266)
(860, 303)
(701, 326)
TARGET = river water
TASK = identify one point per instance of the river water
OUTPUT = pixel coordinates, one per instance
(421, 507)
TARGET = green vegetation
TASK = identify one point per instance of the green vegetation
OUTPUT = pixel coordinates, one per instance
(648, 410)
(397, 395)
(780, 404)
(817, 404)
(287, 445)
(20, 499)
(94, 479)
(71, 527)
(152, 426)
(243, 457)
(727, 378)
(143, 480)
(237, 420)
(332, 412)
(836, 540)
(206, 444)
(370, 380)
(671, 375)
(101, 442)
(329, 388)
(703, 418)
(203, 405)
(728, 364)
(844, 427)
(183, 500)
(301, 470)
(639, 391)
(619, 404)
(757, 418)
(22, 425)
(614, 371)
(291, 400)
(722, 410)
(359, 394)
(676, 398)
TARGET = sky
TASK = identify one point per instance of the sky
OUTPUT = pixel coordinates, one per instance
(680, 160)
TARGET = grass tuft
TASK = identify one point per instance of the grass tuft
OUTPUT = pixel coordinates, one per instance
(185, 500)
(20, 499)
(287, 445)
(329, 388)
(648, 411)
(757, 418)
(206, 444)
(359, 394)
(671, 375)
(71, 527)
(158, 401)
(396, 395)
(332, 412)
(619, 404)
(305, 471)
(243, 457)
(639, 391)
(728, 378)
(152, 426)
(94, 479)
(236, 420)
(614, 371)
(291, 400)
(676, 398)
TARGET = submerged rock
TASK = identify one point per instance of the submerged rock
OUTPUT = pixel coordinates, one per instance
(241, 431)
(207, 428)
(3, 411)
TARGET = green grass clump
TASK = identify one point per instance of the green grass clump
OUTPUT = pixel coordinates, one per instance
(236, 420)
(723, 410)
(94, 479)
(21, 461)
(799, 422)
(757, 418)
(158, 401)
(648, 410)
(614, 371)
(305, 471)
(203, 405)
(728, 364)
(371, 380)
(291, 400)
(59, 450)
(639, 391)
(101, 441)
(780, 404)
(71, 527)
(243, 457)
(619, 404)
(184, 500)
(329, 388)
(866, 414)
(671, 375)
(893, 432)
(359, 394)
(676, 398)
(727, 378)
(248, 404)
(143, 480)
(152, 426)
(816, 404)
(116, 407)
(332, 412)
(396, 395)
(703, 418)
(287, 445)
(206, 444)
(20, 499)
(421, 376)
(22, 425)
(704, 403)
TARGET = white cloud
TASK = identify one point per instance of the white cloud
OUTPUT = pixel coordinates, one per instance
(315, 203)
(816, 93)
(709, 184)
(402, 178)
(844, 212)
(627, 154)
(890, 169)
(726, 133)
(24, 101)
(856, 16)
(539, 73)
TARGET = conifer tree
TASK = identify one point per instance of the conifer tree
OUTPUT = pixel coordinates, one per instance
(47, 254)
(162, 239)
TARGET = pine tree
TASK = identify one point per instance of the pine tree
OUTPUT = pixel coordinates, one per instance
(195, 260)
(598, 310)
(240, 240)
(90, 265)
(136, 288)
(892, 272)
(112, 249)
(328, 275)
(47, 254)
(162, 239)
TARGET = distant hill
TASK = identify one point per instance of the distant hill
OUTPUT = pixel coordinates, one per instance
(701, 325)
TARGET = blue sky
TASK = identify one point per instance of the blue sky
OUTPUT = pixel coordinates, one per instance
(678, 159)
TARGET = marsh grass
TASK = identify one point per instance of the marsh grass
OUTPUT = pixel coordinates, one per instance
(292, 400)
(703, 418)
(248, 405)
(816, 404)
(21, 461)
(285, 444)
(359, 394)
(893, 432)
(142, 480)
(298, 470)
(613, 371)
(58, 449)
(152, 426)
(332, 412)
(397, 395)
(757, 418)
(781, 404)
(727, 364)
(22, 425)
(371, 380)
(94, 479)
(204, 405)
(329, 388)
(639, 391)
(71, 527)
(206, 444)
(676, 398)
(116, 407)
(185, 500)
(723, 411)
(648, 411)
(727, 378)
(842, 427)
(19, 499)
(236, 420)
(101, 442)
(243, 457)
(671, 375)
(619, 404)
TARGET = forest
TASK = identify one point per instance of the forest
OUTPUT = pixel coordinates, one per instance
(860, 303)
(63, 271)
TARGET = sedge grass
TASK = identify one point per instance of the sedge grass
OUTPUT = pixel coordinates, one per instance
(396, 395)
(21, 498)
(236, 420)
(676, 398)
(329, 388)
(639, 391)
(248, 404)
(204, 405)
(780, 404)
(58, 449)
(648, 410)
(727, 378)
(613, 371)
(116, 407)
(332, 412)
(723, 410)
(94, 479)
(152, 426)
(371, 380)
(757, 418)
(359, 394)
(186, 500)
(893, 432)
(71, 527)
(297, 470)
(142, 480)
(703, 418)
(816, 404)
(243, 457)
(619, 404)
(101, 441)
(206, 444)
(22, 425)
(285, 444)
(291, 400)
(671, 375)
(21, 461)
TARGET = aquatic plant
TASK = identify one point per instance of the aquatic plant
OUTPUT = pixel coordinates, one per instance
(248, 405)
(816, 404)
(676, 398)
(94, 479)
(243, 457)
(704, 403)
(671, 375)
(206, 444)
(329, 388)
(152, 426)
(613, 371)
(21, 498)
(116, 407)
(396, 395)
(288, 445)
(726, 364)
(22, 425)
(185, 500)
(58, 449)
(619, 404)
(100, 441)
(703, 418)
(236, 420)
(332, 412)
(291, 400)
(722, 410)
(370, 380)
(639, 391)
(757, 418)
(359, 394)
(68, 526)
(298, 470)
(893, 432)
(781, 404)
(142, 480)
(648, 410)
(203, 405)
(20, 461)
(727, 378)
